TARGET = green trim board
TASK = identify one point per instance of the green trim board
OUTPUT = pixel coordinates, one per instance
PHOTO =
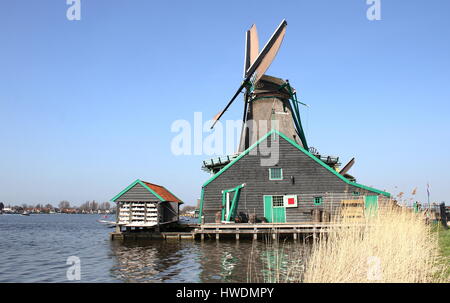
(200, 211)
(247, 151)
(234, 202)
(131, 186)
(296, 116)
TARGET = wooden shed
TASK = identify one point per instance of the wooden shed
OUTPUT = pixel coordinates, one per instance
(298, 187)
(146, 205)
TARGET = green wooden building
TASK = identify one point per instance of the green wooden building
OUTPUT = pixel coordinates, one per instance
(146, 205)
(295, 189)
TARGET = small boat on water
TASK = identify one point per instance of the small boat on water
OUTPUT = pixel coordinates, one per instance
(25, 213)
(108, 223)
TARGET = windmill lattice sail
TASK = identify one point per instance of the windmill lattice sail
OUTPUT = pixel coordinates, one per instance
(269, 102)
(260, 65)
(251, 48)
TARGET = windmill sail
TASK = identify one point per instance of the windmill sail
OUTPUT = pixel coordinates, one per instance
(261, 63)
(251, 48)
(217, 117)
(347, 167)
(268, 53)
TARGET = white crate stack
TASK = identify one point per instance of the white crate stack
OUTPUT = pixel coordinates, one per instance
(138, 214)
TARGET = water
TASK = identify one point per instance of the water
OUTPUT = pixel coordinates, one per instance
(35, 249)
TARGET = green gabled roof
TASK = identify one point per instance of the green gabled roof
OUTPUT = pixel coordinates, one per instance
(305, 152)
(132, 185)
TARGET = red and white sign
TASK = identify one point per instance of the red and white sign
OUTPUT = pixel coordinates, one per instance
(290, 201)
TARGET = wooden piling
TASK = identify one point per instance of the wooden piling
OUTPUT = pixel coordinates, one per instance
(316, 215)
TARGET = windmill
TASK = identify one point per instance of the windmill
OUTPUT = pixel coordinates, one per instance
(266, 99)
(269, 102)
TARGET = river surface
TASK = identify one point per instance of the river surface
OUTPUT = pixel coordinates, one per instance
(36, 248)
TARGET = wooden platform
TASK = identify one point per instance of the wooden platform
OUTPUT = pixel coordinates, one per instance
(272, 229)
(216, 230)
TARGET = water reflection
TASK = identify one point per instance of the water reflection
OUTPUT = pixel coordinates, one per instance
(155, 261)
(35, 249)
(207, 261)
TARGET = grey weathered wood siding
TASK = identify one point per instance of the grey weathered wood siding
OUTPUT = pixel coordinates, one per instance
(169, 211)
(310, 180)
(138, 194)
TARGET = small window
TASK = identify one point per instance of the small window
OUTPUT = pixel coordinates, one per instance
(277, 201)
(318, 200)
(356, 193)
(276, 173)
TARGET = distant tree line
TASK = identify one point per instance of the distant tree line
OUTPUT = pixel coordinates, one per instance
(94, 206)
(63, 206)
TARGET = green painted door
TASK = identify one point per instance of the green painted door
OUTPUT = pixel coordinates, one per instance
(268, 208)
(279, 215)
(371, 205)
(273, 214)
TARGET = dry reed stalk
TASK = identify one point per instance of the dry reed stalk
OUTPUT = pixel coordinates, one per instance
(394, 246)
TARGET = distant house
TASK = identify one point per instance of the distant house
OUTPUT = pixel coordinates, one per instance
(69, 211)
(147, 205)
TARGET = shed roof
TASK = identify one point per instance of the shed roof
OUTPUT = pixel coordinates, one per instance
(162, 193)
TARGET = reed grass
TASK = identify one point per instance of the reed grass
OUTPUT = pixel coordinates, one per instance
(394, 246)
(277, 261)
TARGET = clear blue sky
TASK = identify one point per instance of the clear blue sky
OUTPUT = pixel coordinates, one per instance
(86, 106)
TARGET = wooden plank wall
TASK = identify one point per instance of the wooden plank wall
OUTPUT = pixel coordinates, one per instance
(301, 176)
(138, 193)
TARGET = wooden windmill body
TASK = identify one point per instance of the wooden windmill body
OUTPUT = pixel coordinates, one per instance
(268, 108)
(300, 183)
(269, 102)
